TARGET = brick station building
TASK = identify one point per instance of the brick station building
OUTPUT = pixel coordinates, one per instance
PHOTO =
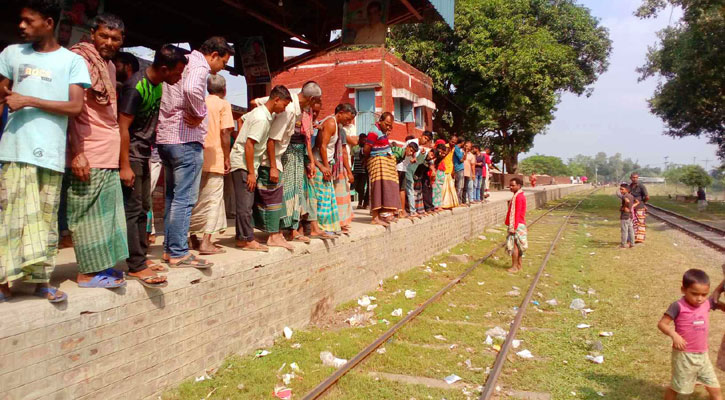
(372, 79)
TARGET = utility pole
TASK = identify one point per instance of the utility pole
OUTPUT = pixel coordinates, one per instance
(706, 162)
(694, 160)
(596, 174)
(666, 158)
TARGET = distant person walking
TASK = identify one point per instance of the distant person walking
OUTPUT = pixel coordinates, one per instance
(639, 192)
(701, 199)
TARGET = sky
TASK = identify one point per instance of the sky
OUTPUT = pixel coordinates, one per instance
(616, 118)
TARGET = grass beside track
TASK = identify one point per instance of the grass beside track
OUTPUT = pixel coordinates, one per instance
(636, 362)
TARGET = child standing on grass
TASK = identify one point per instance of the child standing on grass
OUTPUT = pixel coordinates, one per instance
(690, 361)
(625, 216)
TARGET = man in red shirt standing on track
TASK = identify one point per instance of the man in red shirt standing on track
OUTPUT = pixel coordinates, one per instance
(517, 241)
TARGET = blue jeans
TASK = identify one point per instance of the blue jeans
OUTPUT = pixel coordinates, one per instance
(469, 189)
(477, 184)
(410, 196)
(182, 174)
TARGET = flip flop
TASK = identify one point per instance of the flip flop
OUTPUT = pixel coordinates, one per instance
(323, 236)
(113, 273)
(144, 281)
(157, 267)
(217, 250)
(191, 262)
(300, 238)
(102, 281)
(44, 291)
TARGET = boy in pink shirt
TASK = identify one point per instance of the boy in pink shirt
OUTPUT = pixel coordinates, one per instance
(690, 361)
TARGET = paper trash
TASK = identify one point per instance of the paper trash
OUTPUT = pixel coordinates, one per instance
(261, 353)
(497, 333)
(595, 360)
(329, 360)
(451, 379)
(409, 294)
(372, 307)
(606, 334)
(577, 304)
(295, 367)
(440, 337)
(283, 393)
(583, 326)
(444, 265)
(489, 340)
(525, 354)
(515, 343)
(364, 301)
(552, 302)
(287, 332)
(398, 312)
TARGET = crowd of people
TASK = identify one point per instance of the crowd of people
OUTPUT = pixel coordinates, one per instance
(89, 132)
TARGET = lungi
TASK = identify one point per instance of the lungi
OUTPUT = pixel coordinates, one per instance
(293, 181)
(98, 221)
(209, 215)
(29, 200)
(438, 188)
(449, 194)
(519, 239)
(342, 197)
(268, 202)
(324, 201)
(640, 227)
(384, 190)
(418, 193)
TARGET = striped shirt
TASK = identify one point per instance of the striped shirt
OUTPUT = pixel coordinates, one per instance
(186, 96)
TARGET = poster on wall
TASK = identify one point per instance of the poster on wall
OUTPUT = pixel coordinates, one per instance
(254, 61)
(365, 21)
(76, 19)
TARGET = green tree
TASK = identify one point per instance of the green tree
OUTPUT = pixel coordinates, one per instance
(501, 71)
(548, 165)
(695, 176)
(690, 60)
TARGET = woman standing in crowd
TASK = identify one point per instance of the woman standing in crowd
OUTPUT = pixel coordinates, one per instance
(384, 194)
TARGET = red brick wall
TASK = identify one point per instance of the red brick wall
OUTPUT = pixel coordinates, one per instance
(334, 70)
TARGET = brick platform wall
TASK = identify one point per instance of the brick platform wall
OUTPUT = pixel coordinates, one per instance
(137, 343)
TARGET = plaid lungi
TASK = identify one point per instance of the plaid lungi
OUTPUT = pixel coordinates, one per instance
(98, 221)
(640, 227)
(519, 239)
(325, 202)
(342, 197)
(209, 215)
(438, 188)
(293, 181)
(29, 200)
(418, 196)
(384, 189)
(268, 202)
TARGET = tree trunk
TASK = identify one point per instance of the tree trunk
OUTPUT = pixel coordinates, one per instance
(511, 161)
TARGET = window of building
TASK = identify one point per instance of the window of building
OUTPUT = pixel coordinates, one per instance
(419, 117)
(403, 110)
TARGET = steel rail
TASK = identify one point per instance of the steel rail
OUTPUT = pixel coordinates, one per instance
(490, 386)
(321, 388)
(708, 241)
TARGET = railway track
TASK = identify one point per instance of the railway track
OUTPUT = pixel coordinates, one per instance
(495, 371)
(711, 235)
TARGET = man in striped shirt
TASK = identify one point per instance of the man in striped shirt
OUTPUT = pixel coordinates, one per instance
(180, 139)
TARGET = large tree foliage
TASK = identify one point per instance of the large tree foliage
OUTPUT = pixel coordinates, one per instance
(690, 59)
(608, 169)
(548, 165)
(503, 68)
(690, 175)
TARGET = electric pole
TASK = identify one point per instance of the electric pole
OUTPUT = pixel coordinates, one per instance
(666, 158)
(706, 162)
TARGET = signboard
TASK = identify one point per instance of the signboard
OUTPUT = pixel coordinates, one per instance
(75, 21)
(254, 61)
(365, 21)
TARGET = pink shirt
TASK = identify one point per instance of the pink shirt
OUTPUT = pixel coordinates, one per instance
(692, 323)
(469, 165)
(187, 96)
(94, 132)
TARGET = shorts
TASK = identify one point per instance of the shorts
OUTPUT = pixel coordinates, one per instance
(689, 369)
(401, 181)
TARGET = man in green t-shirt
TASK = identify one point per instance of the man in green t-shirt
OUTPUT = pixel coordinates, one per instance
(138, 113)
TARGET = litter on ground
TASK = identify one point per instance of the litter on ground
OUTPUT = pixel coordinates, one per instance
(398, 312)
(409, 294)
(283, 393)
(606, 334)
(261, 353)
(525, 354)
(329, 360)
(287, 332)
(583, 326)
(440, 337)
(363, 301)
(451, 379)
(552, 302)
(577, 304)
(595, 359)
(497, 333)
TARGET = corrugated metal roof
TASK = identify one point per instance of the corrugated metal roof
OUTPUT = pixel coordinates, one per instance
(447, 9)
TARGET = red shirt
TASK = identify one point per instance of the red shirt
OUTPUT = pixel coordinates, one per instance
(487, 162)
(520, 217)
